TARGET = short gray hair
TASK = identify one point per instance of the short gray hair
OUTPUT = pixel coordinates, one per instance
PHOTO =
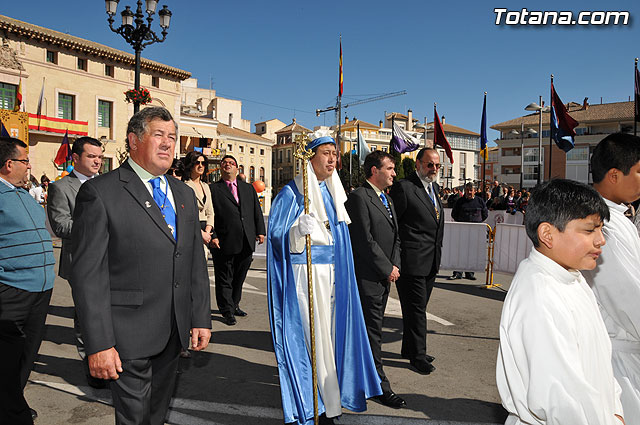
(139, 122)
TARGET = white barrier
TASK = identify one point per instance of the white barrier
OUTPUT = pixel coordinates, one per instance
(464, 246)
(495, 217)
(511, 245)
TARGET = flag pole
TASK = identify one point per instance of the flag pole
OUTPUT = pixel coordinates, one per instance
(338, 136)
(635, 98)
(303, 154)
(486, 153)
(550, 132)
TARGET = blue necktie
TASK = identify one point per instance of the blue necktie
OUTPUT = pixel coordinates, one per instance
(328, 204)
(165, 206)
(385, 202)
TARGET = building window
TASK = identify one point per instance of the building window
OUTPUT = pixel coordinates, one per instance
(241, 169)
(262, 152)
(385, 149)
(7, 95)
(288, 155)
(510, 151)
(155, 81)
(280, 156)
(262, 174)
(52, 57)
(511, 169)
(530, 155)
(463, 158)
(241, 149)
(252, 151)
(82, 64)
(578, 154)
(530, 172)
(104, 113)
(108, 70)
(252, 174)
(106, 165)
(373, 148)
(66, 106)
(229, 148)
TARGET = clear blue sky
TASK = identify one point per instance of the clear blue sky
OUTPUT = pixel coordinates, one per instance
(285, 53)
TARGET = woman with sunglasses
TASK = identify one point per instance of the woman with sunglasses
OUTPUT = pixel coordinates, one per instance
(195, 165)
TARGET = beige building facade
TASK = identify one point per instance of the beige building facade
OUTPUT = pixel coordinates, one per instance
(77, 86)
(519, 156)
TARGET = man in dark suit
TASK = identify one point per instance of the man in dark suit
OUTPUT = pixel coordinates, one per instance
(139, 278)
(376, 254)
(238, 224)
(421, 223)
(87, 159)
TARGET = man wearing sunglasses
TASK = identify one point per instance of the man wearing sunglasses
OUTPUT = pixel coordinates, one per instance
(421, 227)
(26, 281)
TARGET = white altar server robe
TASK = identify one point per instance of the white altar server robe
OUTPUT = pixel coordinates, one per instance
(554, 360)
(616, 284)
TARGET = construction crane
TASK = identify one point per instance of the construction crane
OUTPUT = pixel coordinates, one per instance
(358, 102)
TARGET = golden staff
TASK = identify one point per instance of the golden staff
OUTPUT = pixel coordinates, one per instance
(304, 155)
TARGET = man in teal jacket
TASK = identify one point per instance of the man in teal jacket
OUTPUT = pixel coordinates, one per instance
(26, 281)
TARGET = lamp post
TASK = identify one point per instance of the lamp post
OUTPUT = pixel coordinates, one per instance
(540, 109)
(521, 133)
(138, 33)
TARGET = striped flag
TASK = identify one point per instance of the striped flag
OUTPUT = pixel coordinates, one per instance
(340, 78)
(484, 152)
(18, 102)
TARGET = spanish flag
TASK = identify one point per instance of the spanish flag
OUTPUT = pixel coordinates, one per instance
(18, 102)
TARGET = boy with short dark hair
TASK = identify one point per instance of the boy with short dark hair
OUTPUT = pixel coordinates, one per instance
(554, 360)
(615, 167)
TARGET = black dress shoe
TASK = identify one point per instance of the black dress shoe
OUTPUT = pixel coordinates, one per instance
(323, 420)
(391, 399)
(455, 277)
(423, 366)
(185, 354)
(34, 414)
(429, 358)
(239, 312)
(229, 320)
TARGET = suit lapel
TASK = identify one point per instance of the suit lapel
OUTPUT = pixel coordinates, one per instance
(137, 189)
(375, 200)
(225, 189)
(179, 200)
(423, 195)
(74, 183)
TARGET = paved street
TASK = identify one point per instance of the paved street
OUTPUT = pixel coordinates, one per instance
(235, 381)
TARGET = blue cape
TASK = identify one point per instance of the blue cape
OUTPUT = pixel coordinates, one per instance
(357, 374)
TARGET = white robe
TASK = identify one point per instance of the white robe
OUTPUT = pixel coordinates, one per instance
(554, 360)
(616, 284)
(323, 288)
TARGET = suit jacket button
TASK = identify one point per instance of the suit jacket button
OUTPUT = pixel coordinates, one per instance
(177, 254)
(176, 284)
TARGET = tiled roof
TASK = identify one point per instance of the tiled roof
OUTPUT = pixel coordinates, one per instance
(354, 123)
(225, 130)
(55, 38)
(448, 128)
(293, 127)
(617, 111)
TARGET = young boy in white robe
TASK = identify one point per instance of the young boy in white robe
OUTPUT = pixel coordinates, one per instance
(554, 360)
(615, 168)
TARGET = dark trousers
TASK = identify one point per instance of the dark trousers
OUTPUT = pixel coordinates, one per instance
(142, 394)
(414, 293)
(230, 272)
(22, 325)
(373, 297)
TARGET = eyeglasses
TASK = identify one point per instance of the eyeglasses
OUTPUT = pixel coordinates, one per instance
(228, 162)
(201, 162)
(432, 165)
(24, 161)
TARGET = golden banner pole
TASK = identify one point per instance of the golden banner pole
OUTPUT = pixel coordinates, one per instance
(304, 155)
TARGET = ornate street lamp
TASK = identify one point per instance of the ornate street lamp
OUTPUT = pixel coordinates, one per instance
(138, 33)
